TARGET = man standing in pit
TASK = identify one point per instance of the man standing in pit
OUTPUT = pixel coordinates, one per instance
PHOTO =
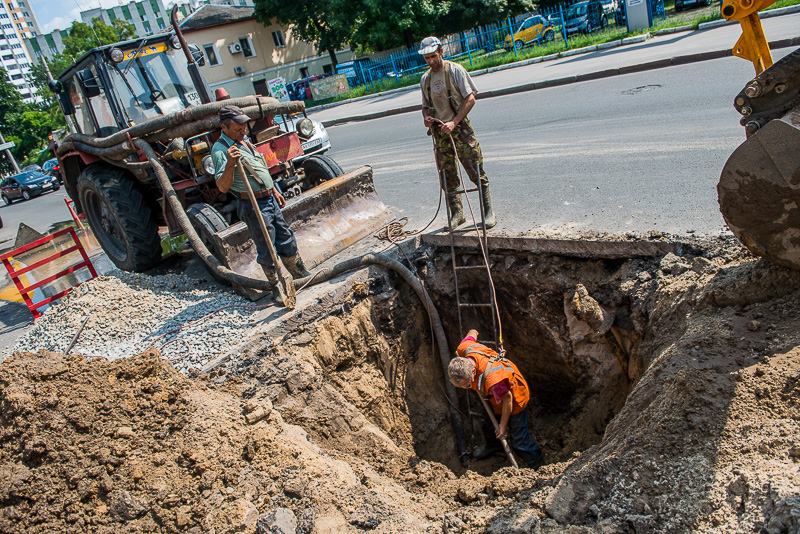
(497, 379)
(448, 95)
(232, 145)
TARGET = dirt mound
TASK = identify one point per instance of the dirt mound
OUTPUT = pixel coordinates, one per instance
(94, 445)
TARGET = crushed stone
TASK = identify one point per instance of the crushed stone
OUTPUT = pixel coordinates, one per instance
(190, 321)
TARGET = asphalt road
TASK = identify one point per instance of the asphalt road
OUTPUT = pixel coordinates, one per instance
(637, 152)
(656, 48)
(40, 213)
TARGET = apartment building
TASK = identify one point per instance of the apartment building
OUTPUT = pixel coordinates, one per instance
(17, 22)
(147, 16)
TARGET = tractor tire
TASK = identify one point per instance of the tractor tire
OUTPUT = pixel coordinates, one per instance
(207, 221)
(120, 218)
(319, 169)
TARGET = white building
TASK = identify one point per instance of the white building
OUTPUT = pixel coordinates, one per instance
(17, 22)
(147, 16)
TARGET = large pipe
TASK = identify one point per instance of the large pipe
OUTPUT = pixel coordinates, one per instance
(255, 106)
(436, 322)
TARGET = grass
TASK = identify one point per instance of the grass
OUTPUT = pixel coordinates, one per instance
(484, 60)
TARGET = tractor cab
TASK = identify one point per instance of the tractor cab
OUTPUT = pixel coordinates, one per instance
(116, 86)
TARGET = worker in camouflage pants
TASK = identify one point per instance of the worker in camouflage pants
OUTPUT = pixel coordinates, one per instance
(448, 95)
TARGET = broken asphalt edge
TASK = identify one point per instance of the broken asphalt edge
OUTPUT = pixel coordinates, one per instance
(607, 73)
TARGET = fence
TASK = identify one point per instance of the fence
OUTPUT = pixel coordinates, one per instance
(555, 26)
(16, 273)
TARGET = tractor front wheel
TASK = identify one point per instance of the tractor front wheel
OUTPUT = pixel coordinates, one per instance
(319, 169)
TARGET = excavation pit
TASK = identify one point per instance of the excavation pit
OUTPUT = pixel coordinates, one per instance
(572, 321)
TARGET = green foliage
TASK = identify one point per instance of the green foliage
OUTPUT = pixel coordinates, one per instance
(327, 23)
(27, 125)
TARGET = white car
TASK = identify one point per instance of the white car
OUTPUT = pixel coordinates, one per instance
(313, 135)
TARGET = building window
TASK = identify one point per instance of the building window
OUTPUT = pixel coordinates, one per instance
(160, 24)
(3, 15)
(211, 54)
(8, 57)
(16, 76)
(126, 12)
(147, 27)
(277, 38)
(304, 72)
(247, 46)
(19, 26)
(15, 16)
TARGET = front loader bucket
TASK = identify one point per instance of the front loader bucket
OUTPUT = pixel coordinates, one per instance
(759, 191)
(326, 220)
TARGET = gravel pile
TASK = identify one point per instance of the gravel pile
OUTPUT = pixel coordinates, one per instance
(190, 321)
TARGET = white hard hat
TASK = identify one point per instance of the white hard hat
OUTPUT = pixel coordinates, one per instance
(429, 45)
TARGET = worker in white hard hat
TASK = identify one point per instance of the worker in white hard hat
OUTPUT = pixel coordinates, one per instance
(448, 95)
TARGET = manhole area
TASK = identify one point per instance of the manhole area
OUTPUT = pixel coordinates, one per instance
(566, 326)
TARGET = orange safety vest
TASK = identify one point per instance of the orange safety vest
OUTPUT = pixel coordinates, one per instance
(492, 369)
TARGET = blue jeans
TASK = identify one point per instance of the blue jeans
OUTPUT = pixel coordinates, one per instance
(522, 441)
(280, 233)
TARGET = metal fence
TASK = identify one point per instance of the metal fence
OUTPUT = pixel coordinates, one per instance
(557, 28)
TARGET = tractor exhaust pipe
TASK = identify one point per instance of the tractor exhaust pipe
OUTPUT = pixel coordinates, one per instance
(194, 68)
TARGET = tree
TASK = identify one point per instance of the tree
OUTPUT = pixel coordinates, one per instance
(388, 24)
(83, 37)
(326, 23)
(465, 14)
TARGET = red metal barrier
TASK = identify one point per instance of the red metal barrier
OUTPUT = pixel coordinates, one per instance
(25, 290)
(75, 217)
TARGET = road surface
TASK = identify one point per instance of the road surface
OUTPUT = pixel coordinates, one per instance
(636, 152)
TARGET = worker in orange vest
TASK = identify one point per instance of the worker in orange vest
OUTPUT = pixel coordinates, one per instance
(498, 380)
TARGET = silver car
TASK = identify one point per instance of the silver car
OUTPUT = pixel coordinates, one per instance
(313, 135)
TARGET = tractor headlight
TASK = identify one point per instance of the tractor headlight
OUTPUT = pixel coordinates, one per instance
(116, 55)
(208, 165)
(305, 127)
(174, 42)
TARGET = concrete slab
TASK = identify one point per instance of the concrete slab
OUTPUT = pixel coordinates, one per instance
(577, 248)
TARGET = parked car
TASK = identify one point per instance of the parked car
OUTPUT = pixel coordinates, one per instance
(534, 29)
(680, 5)
(52, 168)
(313, 135)
(585, 17)
(610, 6)
(26, 185)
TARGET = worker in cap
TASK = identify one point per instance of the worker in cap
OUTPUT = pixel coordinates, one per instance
(498, 380)
(226, 152)
(448, 95)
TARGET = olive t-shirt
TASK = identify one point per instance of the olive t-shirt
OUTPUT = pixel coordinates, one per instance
(442, 105)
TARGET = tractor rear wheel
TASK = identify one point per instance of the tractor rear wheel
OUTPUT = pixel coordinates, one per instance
(120, 218)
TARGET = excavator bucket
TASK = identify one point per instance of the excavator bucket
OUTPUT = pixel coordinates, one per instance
(759, 191)
(326, 220)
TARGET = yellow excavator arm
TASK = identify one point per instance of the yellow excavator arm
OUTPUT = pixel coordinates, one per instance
(752, 45)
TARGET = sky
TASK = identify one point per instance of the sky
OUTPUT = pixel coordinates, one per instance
(53, 14)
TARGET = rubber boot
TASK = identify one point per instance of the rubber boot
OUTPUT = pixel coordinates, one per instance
(488, 211)
(272, 278)
(295, 266)
(456, 211)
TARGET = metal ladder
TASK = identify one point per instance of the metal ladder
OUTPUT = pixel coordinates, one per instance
(491, 305)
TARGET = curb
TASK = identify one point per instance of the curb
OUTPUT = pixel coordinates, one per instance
(608, 73)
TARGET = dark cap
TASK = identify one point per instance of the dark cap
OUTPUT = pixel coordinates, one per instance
(233, 113)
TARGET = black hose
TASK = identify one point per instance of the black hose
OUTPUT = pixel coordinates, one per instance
(436, 321)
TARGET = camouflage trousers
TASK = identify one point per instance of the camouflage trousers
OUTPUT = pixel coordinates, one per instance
(468, 152)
